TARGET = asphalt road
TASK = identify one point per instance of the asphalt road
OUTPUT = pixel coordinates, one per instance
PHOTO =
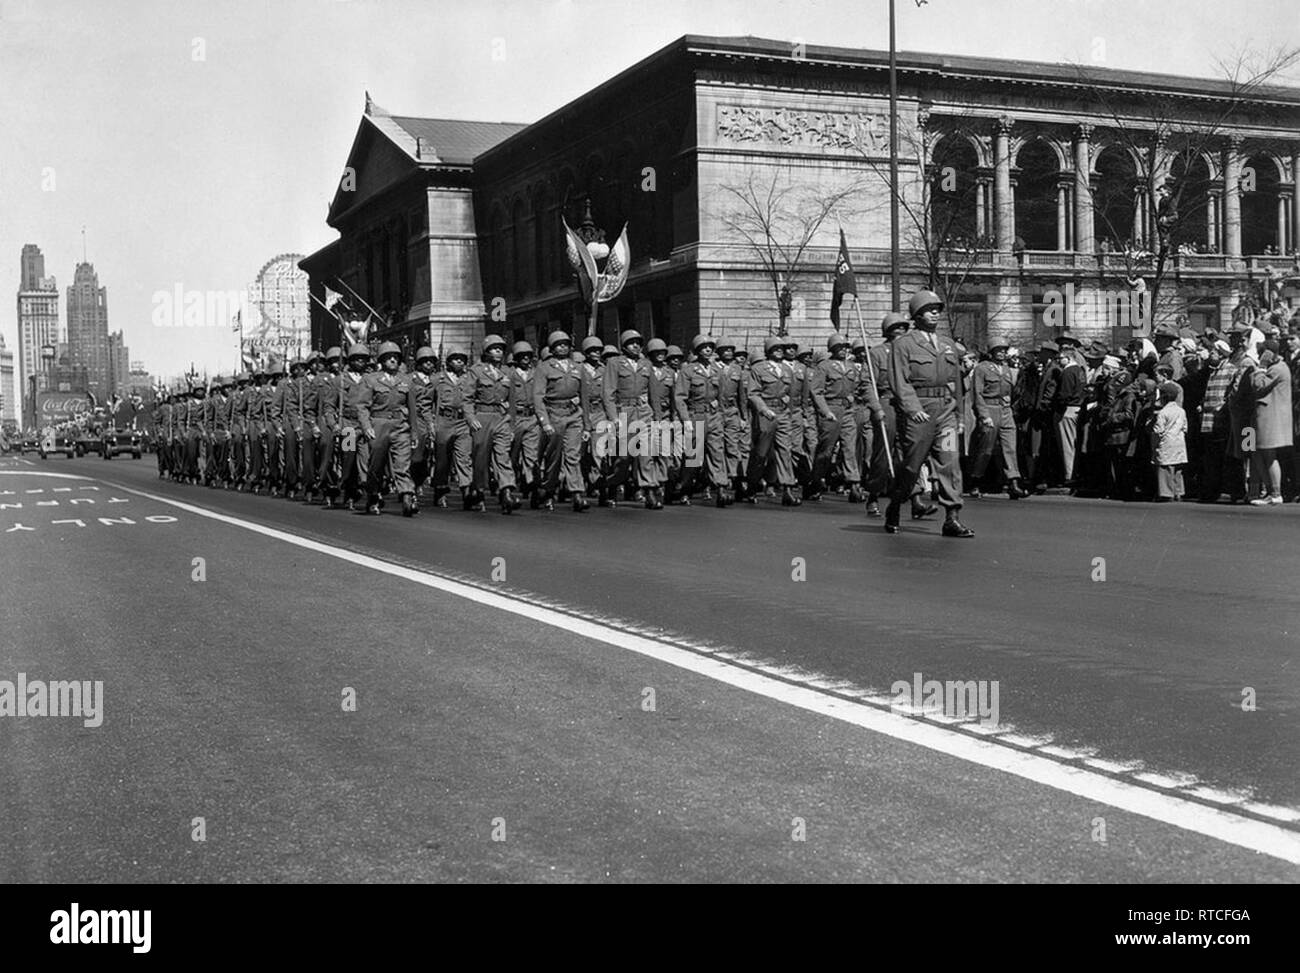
(223, 696)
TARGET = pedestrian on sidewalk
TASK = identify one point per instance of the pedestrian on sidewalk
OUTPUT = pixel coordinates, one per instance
(1169, 444)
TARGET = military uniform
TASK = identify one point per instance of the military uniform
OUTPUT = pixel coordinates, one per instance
(451, 433)
(877, 419)
(385, 403)
(698, 385)
(259, 416)
(770, 458)
(309, 433)
(193, 437)
(239, 435)
(162, 421)
(329, 409)
(219, 428)
(733, 399)
(422, 424)
(353, 442)
(626, 393)
(834, 384)
(925, 372)
(487, 400)
(557, 399)
(286, 419)
(991, 384)
(525, 446)
(594, 468)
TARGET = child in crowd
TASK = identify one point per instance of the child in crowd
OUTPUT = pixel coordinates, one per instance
(1169, 444)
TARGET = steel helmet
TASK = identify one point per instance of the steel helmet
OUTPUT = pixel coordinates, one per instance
(700, 340)
(609, 352)
(590, 342)
(725, 343)
(655, 344)
(893, 320)
(314, 356)
(424, 353)
(389, 348)
(771, 343)
(297, 363)
(334, 353)
(629, 335)
(521, 348)
(358, 351)
(820, 356)
(921, 300)
(493, 341)
(556, 337)
(836, 340)
(457, 354)
(675, 352)
(545, 354)
(859, 344)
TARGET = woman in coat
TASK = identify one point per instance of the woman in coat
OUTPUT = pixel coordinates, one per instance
(1271, 384)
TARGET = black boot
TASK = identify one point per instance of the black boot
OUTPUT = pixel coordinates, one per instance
(952, 527)
(580, 503)
(921, 509)
(855, 494)
(891, 518)
(409, 509)
(1015, 491)
(788, 499)
(605, 497)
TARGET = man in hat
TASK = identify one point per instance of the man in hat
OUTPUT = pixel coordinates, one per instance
(257, 408)
(626, 397)
(424, 420)
(770, 386)
(834, 382)
(276, 378)
(660, 391)
(525, 447)
(1043, 442)
(925, 374)
(877, 413)
(162, 421)
(451, 433)
(354, 447)
(487, 411)
(992, 385)
(557, 400)
(286, 419)
(733, 404)
(1067, 400)
(697, 391)
(329, 388)
(1170, 355)
(309, 429)
(385, 405)
(592, 373)
(797, 361)
(193, 433)
(220, 419)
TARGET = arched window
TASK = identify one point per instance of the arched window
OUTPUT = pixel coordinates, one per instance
(1036, 182)
(1259, 206)
(1114, 199)
(1184, 207)
(953, 188)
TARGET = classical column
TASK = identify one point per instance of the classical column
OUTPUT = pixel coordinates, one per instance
(1283, 210)
(1062, 242)
(1295, 198)
(1003, 204)
(1212, 221)
(1083, 239)
(1232, 197)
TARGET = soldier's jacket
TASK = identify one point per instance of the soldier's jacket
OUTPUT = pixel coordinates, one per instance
(992, 385)
(486, 388)
(593, 393)
(521, 392)
(422, 421)
(834, 382)
(918, 369)
(800, 388)
(162, 418)
(259, 409)
(193, 415)
(663, 383)
(287, 403)
(354, 389)
(626, 385)
(449, 395)
(217, 417)
(769, 385)
(328, 399)
(698, 388)
(385, 397)
(878, 356)
(238, 409)
(557, 381)
(310, 402)
(733, 387)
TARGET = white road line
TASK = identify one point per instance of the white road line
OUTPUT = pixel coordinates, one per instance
(1166, 808)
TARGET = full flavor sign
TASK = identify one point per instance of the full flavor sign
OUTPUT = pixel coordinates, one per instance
(56, 407)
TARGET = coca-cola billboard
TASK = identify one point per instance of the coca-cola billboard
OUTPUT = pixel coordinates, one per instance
(56, 407)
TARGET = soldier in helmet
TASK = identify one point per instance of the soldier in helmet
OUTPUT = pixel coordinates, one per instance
(354, 447)
(880, 444)
(992, 384)
(697, 392)
(277, 371)
(525, 445)
(770, 384)
(925, 373)
(834, 382)
(219, 425)
(733, 403)
(384, 409)
(239, 430)
(162, 420)
(286, 418)
(309, 430)
(803, 415)
(592, 371)
(660, 391)
(257, 409)
(329, 409)
(487, 410)
(424, 420)
(557, 399)
(451, 433)
(626, 397)
(193, 434)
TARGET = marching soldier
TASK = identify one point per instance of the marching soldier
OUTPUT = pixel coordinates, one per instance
(327, 416)
(925, 373)
(660, 390)
(733, 396)
(162, 421)
(274, 432)
(286, 421)
(219, 418)
(557, 399)
(992, 401)
(880, 445)
(525, 447)
(193, 434)
(385, 404)
(239, 430)
(698, 387)
(422, 423)
(626, 396)
(769, 386)
(451, 433)
(309, 430)
(353, 443)
(258, 417)
(834, 383)
(592, 372)
(180, 426)
(487, 410)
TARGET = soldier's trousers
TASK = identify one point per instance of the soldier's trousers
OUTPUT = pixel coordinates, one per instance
(564, 453)
(936, 439)
(328, 472)
(310, 444)
(289, 447)
(877, 458)
(491, 451)
(176, 454)
(390, 454)
(220, 468)
(421, 455)
(256, 455)
(451, 445)
(621, 467)
(709, 452)
(193, 445)
(355, 461)
(164, 466)
(843, 429)
(1001, 434)
(275, 456)
(238, 454)
(800, 456)
(733, 436)
(525, 450)
(770, 457)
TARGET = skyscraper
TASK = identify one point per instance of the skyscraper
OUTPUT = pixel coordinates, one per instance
(38, 324)
(119, 365)
(88, 329)
(8, 407)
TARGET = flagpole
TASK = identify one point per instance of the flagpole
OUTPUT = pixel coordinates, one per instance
(894, 288)
(871, 370)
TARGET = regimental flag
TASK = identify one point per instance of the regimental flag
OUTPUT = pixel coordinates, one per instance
(615, 275)
(332, 297)
(581, 260)
(845, 282)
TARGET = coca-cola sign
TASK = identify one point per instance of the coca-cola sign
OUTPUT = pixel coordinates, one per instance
(56, 407)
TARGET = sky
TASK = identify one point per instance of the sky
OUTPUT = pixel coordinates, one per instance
(197, 139)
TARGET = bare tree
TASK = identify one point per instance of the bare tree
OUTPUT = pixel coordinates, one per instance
(777, 218)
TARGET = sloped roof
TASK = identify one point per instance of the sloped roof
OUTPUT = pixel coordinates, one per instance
(453, 141)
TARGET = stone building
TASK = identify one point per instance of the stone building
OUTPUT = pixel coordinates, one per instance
(1034, 196)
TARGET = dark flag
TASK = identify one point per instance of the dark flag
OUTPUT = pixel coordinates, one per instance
(845, 283)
